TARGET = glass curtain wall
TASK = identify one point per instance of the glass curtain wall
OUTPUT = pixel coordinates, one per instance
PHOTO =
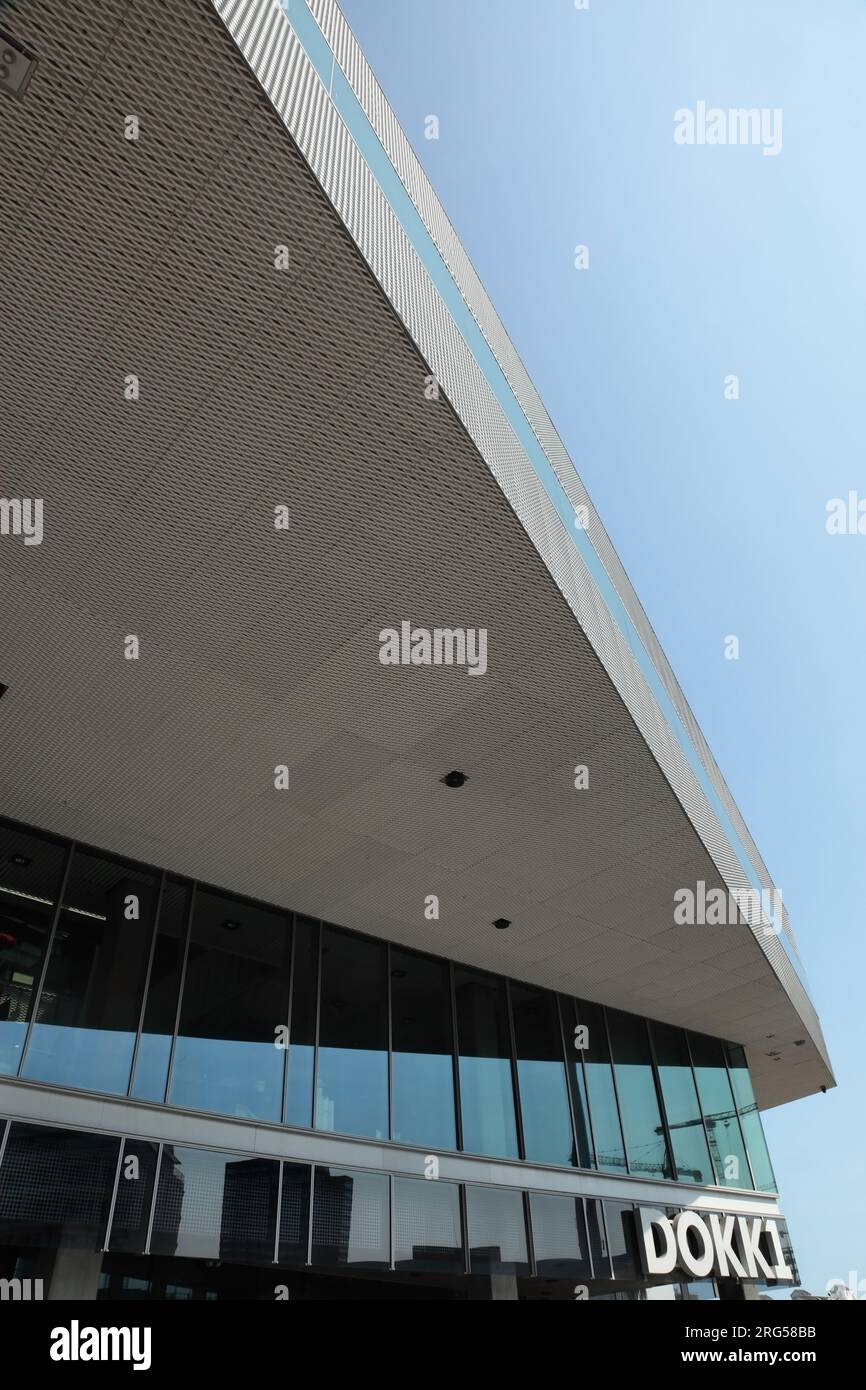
(119, 979)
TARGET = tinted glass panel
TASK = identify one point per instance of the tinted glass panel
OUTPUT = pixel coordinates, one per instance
(31, 869)
(305, 985)
(423, 1043)
(497, 1231)
(609, 1151)
(295, 1213)
(689, 1140)
(351, 1218)
(134, 1196)
(717, 1102)
(486, 1091)
(427, 1227)
(577, 1083)
(55, 1187)
(597, 1239)
(559, 1236)
(638, 1100)
(352, 1078)
(750, 1120)
(154, 1048)
(215, 1206)
(622, 1240)
(91, 1001)
(235, 996)
(541, 1076)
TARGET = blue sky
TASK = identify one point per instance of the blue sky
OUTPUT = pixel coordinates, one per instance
(556, 129)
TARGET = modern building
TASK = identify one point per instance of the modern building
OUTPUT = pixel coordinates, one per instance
(374, 919)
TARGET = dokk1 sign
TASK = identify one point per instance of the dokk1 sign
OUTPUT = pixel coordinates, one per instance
(703, 1244)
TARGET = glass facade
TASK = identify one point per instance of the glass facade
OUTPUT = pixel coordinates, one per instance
(118, 979)
(126, 1196)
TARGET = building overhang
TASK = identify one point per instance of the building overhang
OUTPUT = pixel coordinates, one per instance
(250, 260)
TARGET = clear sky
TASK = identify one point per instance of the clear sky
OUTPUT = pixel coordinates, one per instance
(556, 128)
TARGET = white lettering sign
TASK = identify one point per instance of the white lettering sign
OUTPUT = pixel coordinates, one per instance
(714, 1244)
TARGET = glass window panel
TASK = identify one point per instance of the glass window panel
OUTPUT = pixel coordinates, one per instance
(700, 1290)
(134, 1197)
(680, 1097)
(295, 1213)
(750, 1120)
(598, 1247)
(541, 1076)
(609, 1151)
(160, 1012)
(638, 1099)
(497, 1231)
(622, 1240)
(559, 1236)
(486, 1090)
(351, 1218)
(91, 1001)
(235, 996)
(31, 870)
(55, 1187)
(305, 985)
(723, 1128)
(422, 1040)
(428, 1237)
(352, 1076)
(577, 1082)
(215, 1206)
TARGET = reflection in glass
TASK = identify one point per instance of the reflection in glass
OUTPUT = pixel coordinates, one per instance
(352, 1078)
(559, 1236)
(598, 1247)
(295, 1214)
(541, 1076)
(622, 1240)
(577, 1083)
(638, 1100)
(750, 1119)
(497, 1231)
(351, 1218)
(609, 1151)
(31, 870)
(427, 1229)
(486, 1091)
(723, 1128)
(689, 1140)
(91, 1001)
(154, 1048)
(132, 1204)
(305, 985)
(56, 1188)
(235, 996)
(215, 1206)
(422, 1039)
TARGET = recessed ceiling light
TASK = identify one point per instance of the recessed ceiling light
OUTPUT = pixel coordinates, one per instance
(20, 859)
(454, 779)
(501, 923)
(229, 925)
(801, 1042)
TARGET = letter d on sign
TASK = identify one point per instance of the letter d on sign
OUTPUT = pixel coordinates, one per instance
(655, 1262)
